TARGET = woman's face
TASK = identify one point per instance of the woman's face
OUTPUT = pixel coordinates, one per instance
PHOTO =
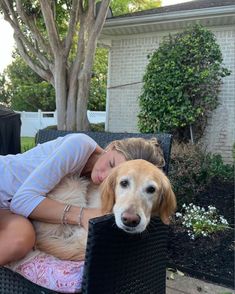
(104, 165)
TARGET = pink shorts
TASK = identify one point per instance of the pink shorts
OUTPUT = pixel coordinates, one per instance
(50, 272)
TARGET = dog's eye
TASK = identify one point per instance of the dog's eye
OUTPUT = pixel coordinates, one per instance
(150, 189)
(124, 183)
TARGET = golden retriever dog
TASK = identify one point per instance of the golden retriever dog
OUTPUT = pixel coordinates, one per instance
(133, 192)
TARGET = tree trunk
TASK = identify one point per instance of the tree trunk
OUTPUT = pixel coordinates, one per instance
(82, 98)
(71, 105)
(61, 92)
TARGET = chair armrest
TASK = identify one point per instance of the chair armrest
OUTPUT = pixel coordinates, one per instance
(121, 263)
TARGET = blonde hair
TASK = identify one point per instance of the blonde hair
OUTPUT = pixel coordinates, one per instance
(139, 148)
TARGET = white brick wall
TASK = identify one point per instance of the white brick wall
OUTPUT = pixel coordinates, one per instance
(220, 132)
(127, 63)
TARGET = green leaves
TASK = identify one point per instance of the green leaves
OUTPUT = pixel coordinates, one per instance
(125, 6)
(26, 90)
(181, 82)
(97, 95)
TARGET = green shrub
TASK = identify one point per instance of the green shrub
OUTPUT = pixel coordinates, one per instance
(181, 83)
(52, 127)
(97, 127)
(192, 170)
(217, 169)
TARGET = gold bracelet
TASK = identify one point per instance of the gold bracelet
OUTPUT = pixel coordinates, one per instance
(80, 217)
(64, 218)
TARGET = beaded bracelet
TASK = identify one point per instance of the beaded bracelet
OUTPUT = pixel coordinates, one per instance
(64, 218)
(80, 217)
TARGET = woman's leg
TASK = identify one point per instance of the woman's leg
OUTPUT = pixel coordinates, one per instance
(17, 236)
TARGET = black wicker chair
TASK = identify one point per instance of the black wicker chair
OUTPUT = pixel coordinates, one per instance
(115, 262)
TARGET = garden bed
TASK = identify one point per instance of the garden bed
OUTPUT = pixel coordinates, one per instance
(209, 258)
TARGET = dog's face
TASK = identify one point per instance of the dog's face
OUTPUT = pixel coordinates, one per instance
(134, 191)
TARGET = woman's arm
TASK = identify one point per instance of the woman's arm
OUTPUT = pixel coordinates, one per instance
(68, 157)
(51, 211)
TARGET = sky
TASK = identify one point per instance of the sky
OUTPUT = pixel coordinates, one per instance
(7, 41)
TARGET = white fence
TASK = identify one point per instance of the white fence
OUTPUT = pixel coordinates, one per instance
(33, 121)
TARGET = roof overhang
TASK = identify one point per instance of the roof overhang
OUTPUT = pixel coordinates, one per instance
(119, 26)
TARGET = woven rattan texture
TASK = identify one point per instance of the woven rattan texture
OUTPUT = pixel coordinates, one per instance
(13, 283)
(119, 263)
(104, 138)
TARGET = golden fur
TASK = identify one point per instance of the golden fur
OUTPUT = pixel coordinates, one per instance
(134, 191)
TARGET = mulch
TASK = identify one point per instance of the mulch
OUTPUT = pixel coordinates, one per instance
(208, 258)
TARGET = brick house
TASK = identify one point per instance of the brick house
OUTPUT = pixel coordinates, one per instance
(131, 37)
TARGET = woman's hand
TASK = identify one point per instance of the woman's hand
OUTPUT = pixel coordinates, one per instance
(51, 211)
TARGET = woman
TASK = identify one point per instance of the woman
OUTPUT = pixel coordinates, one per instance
(26, 179)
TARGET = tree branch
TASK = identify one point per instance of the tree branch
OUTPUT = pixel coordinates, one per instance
(72, 26)
(94, 34)
(33, 28)
(79, 59)
(90, 15)
(101, 16)
(53, 35)
(44, 74)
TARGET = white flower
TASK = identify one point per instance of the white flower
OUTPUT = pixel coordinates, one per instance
(201, 222)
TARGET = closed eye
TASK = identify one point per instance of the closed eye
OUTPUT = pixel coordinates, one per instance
(112, 163)
(150, 189)
(124, 183)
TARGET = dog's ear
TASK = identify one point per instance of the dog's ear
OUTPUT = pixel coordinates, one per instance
(166, 203)
(108, 193)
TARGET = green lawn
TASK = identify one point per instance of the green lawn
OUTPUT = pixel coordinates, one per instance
(27, 143)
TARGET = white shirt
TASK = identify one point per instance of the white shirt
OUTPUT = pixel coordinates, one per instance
(26, 178)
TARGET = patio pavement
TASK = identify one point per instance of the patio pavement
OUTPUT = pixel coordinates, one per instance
(177, 284)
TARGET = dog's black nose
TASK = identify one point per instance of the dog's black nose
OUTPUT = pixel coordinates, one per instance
(130, 219)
